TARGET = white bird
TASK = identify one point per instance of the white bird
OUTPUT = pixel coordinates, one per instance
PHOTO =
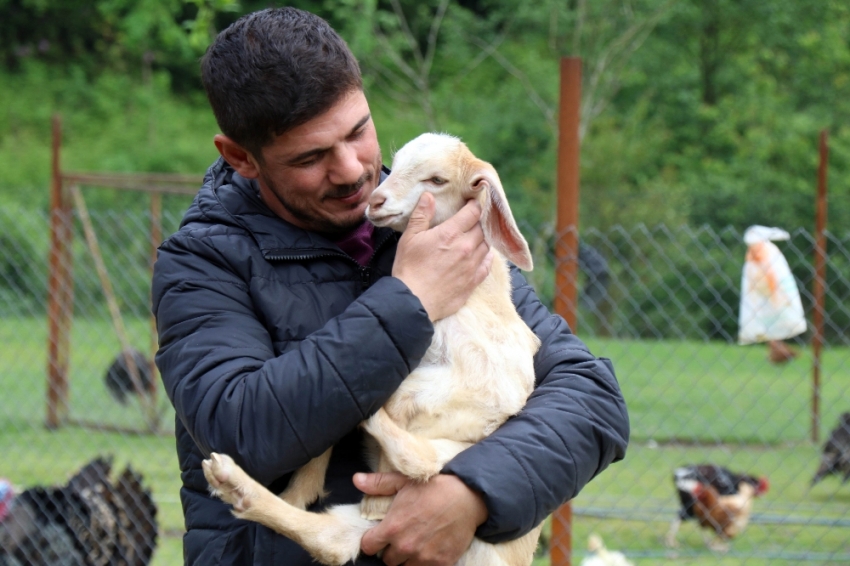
(602, 556)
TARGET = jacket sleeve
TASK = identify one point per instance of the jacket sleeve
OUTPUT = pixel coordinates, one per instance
(573, 426)
(272, 413)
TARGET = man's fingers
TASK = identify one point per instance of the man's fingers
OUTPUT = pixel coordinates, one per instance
(380, 484)
(388, 483)
(484, 268)
(466, 218)
(392, 557)
(420, 218)
(373, 541)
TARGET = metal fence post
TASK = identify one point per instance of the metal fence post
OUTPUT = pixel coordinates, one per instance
(155, 240)
(566, 252)
(819, 283)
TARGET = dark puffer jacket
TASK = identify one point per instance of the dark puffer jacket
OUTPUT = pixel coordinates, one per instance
(274, 345)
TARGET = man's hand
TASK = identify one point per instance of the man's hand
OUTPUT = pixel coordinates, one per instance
(442, 265)
(428, 524)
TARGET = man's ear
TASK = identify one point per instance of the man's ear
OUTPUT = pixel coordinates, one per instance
(237, 156)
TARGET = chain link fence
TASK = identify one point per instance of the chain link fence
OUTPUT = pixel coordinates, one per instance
(662, 302)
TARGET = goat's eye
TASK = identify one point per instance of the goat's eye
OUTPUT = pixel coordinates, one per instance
(437, 181)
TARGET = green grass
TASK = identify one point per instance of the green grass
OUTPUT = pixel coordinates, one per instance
(632, 504)
(715, 392)
(745, 413)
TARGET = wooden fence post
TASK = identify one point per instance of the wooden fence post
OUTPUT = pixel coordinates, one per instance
(60, 288)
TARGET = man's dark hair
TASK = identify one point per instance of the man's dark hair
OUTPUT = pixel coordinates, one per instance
(273, 70)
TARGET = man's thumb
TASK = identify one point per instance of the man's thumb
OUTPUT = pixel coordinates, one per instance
(420, 218)
(387, 483)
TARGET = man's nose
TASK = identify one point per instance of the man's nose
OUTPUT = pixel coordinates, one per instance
(346, 168)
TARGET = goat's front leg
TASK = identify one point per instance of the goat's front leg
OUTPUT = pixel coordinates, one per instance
(332, 537)
(375, 507)
(416, 457)
(308, 482)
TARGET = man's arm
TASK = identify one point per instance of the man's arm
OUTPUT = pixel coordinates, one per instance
(235, 395)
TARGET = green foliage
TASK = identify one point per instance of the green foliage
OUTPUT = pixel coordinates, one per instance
(109, 124)
(136, 37)
(694, 113)
(743, 89)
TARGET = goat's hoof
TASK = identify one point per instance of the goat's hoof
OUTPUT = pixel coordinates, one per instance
(228, 481)
(375, 507)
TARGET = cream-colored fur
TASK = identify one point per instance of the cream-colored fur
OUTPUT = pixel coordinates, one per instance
(476, 374)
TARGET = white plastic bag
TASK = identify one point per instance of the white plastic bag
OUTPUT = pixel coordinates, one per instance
(770, 302)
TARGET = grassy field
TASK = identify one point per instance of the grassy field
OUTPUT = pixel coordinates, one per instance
(689, 402)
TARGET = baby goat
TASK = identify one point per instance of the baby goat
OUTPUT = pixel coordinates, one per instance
(477, 372)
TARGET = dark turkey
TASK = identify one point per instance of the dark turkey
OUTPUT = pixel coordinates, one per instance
(119, 378)
(835, 457)
(90, 521)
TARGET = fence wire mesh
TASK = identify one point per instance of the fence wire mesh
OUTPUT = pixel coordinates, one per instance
(661, 302)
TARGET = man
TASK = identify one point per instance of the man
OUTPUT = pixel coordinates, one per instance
(284, 320)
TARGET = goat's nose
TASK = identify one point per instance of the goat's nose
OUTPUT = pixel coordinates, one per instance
(377, 200)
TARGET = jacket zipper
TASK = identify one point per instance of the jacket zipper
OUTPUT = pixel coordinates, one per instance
(307, 256)
(379, 245)
(365, 271)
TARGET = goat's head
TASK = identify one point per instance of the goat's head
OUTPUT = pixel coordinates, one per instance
(443, 166)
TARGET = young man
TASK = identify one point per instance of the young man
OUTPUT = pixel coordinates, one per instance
(285, 320)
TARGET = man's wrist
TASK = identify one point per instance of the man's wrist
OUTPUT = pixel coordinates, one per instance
(474, 501)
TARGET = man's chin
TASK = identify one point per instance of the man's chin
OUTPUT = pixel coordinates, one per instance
(339, 227)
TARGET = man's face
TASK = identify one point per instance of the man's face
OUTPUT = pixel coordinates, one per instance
(319, 175)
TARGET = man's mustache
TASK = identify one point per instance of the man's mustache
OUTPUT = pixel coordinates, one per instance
(342, 191)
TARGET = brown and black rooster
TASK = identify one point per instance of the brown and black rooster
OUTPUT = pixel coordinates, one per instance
(719, 499)
(90, 521)
(835, 458)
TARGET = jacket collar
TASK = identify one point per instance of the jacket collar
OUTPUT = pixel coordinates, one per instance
(229, 198)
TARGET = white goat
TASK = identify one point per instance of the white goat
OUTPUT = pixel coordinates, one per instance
(477, 372)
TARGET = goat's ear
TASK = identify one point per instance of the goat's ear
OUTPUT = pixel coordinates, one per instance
(500, 229)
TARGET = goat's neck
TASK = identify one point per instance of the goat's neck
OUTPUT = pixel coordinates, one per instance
(493, 295)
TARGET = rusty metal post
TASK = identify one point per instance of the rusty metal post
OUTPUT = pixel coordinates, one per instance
(156, 239)
(819, 282)
(566, 252)
(59, 288)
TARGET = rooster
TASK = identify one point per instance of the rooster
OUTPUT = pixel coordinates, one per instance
(836, 452)
(90, 521)
(720, 500)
